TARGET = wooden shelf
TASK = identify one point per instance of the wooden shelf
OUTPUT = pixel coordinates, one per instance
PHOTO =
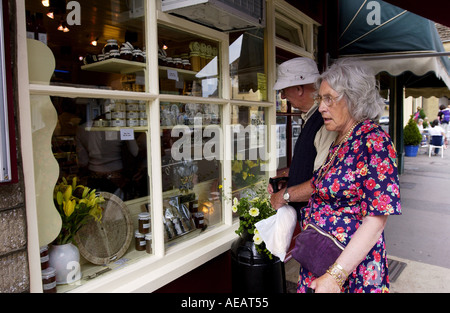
(118, 66)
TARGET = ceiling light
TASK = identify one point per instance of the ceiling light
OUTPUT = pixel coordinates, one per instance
(46, 3)
(60, 27)
(65, 29)
(50, 15)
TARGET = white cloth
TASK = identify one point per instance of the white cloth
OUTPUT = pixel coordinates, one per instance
(277, 231)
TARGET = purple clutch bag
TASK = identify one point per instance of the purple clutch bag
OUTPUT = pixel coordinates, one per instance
(316, 250)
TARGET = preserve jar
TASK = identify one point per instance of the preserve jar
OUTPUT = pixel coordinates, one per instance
(139, 241)
(44, 257)
(148, 242)
(138, 56)
(144, 222)
(49, 280)
(111, 44)
(126, 53)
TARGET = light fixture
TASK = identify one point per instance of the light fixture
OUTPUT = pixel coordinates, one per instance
(45, 3)
(165, 47)
(60, 27)
(65, 29)
(50, 14)
(94, 42)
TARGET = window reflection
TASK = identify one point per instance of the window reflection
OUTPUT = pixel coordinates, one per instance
(247, 67)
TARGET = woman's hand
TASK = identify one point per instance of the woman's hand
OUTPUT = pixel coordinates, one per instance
(325, 284)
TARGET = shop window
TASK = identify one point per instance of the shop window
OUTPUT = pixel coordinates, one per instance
(247, 68)
(96, 44)
(188, 64)
(191, 168)
(249, 157)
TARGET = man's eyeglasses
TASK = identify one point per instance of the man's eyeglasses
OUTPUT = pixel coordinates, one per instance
(327, 99)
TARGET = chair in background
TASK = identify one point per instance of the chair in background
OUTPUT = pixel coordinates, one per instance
(436, 142)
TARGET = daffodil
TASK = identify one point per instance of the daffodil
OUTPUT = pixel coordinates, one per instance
(69, 207)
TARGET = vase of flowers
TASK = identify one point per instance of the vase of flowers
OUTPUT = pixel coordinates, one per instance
(254, 268)
(77, 205)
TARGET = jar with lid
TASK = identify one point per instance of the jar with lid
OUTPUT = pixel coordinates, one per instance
(139, 241)
(44, 257)
(111, 44)
(144, 222)
(186, 65)
(126, 53)
(177, 63)
(169, 62)
(138, 56)
(114, 54)
(148, 242)
(49, 280)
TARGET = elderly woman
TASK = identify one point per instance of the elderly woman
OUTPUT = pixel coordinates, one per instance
(357, 187)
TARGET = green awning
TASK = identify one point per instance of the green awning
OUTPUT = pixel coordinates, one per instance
(395, 41)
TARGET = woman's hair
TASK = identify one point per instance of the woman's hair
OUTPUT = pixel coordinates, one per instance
(356, 82)
(434, 123)
(442, 107)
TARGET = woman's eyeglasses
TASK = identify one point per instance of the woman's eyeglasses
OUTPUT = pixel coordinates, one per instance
(327, 99)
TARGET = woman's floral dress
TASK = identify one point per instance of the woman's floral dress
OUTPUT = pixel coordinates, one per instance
(362, 181)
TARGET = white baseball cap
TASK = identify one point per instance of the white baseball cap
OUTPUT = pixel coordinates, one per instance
(294, 72)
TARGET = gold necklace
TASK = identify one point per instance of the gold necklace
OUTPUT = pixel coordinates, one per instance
(327, 165)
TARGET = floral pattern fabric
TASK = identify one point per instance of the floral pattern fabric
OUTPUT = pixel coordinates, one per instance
(361, 181)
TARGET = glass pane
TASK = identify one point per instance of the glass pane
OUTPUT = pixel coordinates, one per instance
(290, 32)
(191, 168)
(247, 69)
(282, 104)
(111, 159)
(188, 64)
(99, 44)
(249, 149)
(281, 142)
(296, 130)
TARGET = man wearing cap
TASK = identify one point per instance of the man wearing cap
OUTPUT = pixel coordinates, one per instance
(295, 80)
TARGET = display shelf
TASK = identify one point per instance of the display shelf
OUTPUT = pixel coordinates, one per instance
(118, 66)
(105, 128)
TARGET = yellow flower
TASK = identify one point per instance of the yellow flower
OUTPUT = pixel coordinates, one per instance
(254, 212)
(68, 193)
(69, 207)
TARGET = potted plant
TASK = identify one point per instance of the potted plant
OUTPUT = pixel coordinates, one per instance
(77, 205)
(254, 268)
(411, 138)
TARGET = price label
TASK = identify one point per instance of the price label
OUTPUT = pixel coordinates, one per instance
(172, 74)
(126, 134)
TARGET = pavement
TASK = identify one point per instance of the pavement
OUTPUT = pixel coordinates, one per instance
(418, 240)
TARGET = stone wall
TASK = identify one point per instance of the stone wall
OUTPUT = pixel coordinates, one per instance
(14, 273)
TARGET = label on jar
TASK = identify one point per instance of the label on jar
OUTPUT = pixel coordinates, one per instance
(143, 122)
(132, 122)
(49, 286)
(132, 114)
(132, 107)
(118, 122)
(142, 114)
(118, 114)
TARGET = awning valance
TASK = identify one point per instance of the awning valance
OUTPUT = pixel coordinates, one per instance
(395, 41)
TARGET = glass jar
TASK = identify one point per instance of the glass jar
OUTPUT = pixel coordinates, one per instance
(44, 257)
(177, 63)
(114, 54)
(138, 56)
(139, 241)
(49, 280)
(148, 243)
(111, 44)
(144, 222)
(126, 53)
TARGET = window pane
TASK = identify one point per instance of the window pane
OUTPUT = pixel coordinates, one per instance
(96, 44)
(281, 140)
(247, 68)
(249, 149)
(191, 168)
(188, 64)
